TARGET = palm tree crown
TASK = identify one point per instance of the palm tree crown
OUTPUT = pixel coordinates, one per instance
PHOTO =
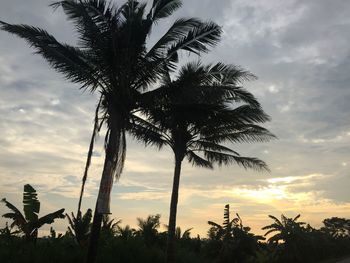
(112, 58)
(287, 229)
(195, 114)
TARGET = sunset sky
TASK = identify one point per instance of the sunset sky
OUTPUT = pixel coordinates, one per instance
(300, 51)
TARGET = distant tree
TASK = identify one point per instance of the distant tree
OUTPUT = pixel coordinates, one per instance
(231, 241)
(182, 235)
(29, 223)
(287, 229)
(126, 232)
(337, 227)
(7, 233)
(291, 233)
(79, 227)
(54, 235)
(148, 228)
(109, 226)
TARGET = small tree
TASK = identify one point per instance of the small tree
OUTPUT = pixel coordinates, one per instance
(148, 228)
(29, 223)
(80, 227)
(291, 234)
(231, 240)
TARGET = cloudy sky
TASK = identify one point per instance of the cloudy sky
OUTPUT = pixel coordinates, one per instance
(300, 51)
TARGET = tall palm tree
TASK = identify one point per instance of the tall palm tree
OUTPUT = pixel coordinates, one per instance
(111, 58)
(195, 114)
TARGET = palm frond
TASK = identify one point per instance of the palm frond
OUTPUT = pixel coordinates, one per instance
(246, 133)
(66, 59)
(245, 162)
(180, 28)
(198, 161)
(203, 144)
(214, 224)
(163, 8)
(197, 40)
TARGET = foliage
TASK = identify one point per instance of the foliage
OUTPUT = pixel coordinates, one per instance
(337, 227)
(109, 226)
(148, 229)
(79, 227)
(29, 223)
(195, 114)
(230, 241)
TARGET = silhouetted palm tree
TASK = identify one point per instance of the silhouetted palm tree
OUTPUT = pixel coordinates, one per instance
(286, 228)
(126, 232)
(291, 233)
(182, 235)
(194, 114)
(112, 58)
(109, 226)
(148, 228)
(29, 223)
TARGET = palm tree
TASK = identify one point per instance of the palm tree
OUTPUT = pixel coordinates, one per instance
(29, 223)
(109, 226)
(291, 233)
(182, 235)
(148, 228)
(112, 59)
(194, 114)
(126, 232)
(286, 228)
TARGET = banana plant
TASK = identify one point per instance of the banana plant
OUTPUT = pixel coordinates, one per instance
(29, 223)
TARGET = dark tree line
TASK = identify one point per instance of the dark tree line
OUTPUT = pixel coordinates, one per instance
(286, 239)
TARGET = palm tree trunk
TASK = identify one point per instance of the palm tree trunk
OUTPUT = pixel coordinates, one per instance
(170, 252)
(103, 199)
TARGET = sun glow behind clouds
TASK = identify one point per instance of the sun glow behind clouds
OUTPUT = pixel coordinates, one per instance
(263, 195)
(281, 189)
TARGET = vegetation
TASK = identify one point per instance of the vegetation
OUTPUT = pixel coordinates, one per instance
(195, 115)
(231, 241)
(29, 223)
(79, 227)
(195, 110)
(112, 59)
